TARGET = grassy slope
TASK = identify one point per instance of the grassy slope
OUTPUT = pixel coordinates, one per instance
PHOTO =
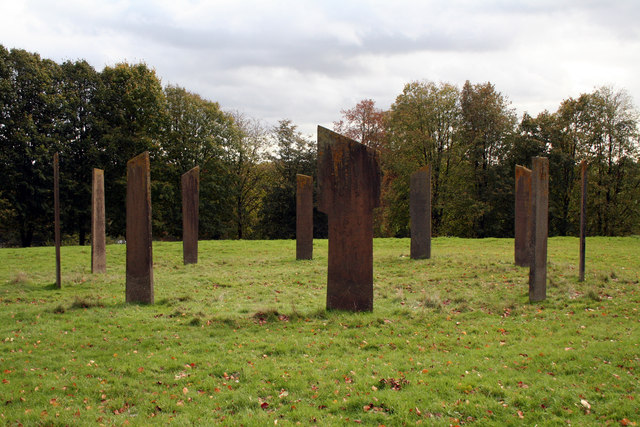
(242, 337)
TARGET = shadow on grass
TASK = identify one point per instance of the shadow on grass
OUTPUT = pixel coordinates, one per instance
(260, 317)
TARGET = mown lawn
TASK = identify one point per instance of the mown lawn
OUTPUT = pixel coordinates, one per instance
(243, 338)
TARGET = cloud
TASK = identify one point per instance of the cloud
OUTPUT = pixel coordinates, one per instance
(307, 60)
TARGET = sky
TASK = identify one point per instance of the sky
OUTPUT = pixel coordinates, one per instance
(307, 60)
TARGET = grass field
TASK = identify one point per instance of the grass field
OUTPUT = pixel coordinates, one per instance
(243, 338)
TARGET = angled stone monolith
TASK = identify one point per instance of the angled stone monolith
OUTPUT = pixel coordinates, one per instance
(56, 213)
(190, 217)
(583, 217)
(139, 287)
(349, 189)
(522, 216)
(420, 210)
(304, 217)
(98, 237)
(539, 229)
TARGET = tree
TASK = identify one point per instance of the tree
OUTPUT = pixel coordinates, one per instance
(364, 123)
(422, 130)
(196, 132)
(600, 127)
(130, 110)
(244, 158)
(30, 108)
(612, 141)
(80, 84)
(486, 133)
(294, 155)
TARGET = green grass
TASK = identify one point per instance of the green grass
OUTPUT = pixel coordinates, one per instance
(243, 338)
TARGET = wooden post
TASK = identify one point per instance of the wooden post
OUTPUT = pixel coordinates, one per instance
(56, 210)
(304, 217)
(539, 229)
(139, 286)
(98, 238)
(349, 189)
(420, 211)
(583, 217)
(190, 216)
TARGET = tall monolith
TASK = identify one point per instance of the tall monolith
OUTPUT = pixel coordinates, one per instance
(420, 211)
(539, 229)
(583, 217)
(139, 286)
(190, 218)
(349, 189)
(522, 216)
(304, 217)
(56, 214)
(98, 237)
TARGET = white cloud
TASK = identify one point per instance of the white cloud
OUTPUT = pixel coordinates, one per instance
(307, 60)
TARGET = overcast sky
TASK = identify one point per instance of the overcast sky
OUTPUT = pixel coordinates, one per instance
(307, 60)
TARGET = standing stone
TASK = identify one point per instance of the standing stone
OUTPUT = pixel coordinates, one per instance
(190, 206)
(583, 217)
(56, 213)
(420, 210)
(523, 216)
(349, 189)
(98, 238)
(539, 229)
(139, 286)
(304, 217)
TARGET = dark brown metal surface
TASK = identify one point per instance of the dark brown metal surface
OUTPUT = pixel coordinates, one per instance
(523, 216)
(190, 217)
(420, 210)
(304, 217)
(349, 189)
(583, 217)
(539, 229)
(98, 238)
(56, 213)
(139, 287)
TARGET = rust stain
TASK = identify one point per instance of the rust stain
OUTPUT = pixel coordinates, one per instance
(303, 181)
(349, 189)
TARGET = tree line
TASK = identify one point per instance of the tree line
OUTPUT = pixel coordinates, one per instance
(473, 139)
(470, 136)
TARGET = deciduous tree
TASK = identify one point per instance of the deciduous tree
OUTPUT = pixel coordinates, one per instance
(294, 155)
(364, 123)
(423, 122)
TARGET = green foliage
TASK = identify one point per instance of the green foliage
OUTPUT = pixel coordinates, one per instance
(131, 110)
(242, 337)
(30, 109)
(600, 128)
(294, 155)
(486, 134)
(422, 130)
(196, 132)
(469, 136)
(248, 172)
(79, 148)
